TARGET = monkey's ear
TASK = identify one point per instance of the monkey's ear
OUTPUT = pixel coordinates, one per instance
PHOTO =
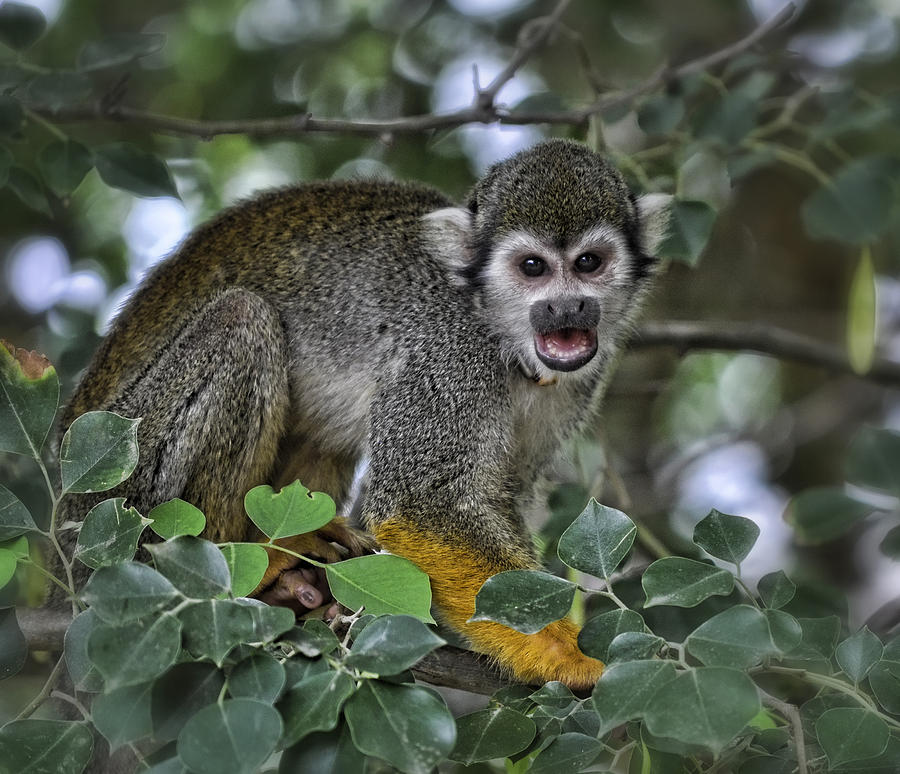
(654, 211)
(450, 233)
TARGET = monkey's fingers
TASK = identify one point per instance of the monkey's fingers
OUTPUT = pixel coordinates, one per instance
(326, 545)
(355, 541)
(299, 590)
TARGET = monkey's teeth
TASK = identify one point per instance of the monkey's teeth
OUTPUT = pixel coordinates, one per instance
(566, 343)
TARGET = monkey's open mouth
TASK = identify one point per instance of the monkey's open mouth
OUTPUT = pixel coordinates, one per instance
(566, 349)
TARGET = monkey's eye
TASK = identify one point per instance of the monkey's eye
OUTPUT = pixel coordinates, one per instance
(533, 266)
(587, 262)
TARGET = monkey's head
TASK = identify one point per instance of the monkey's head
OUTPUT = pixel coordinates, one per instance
(558, 252)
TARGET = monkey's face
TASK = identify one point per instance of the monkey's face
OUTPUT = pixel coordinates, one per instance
(557, 252)
(556, 304)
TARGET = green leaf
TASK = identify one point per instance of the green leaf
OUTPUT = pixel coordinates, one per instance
(20, 24)
(235, 735)
(383, 584)
(407, 726)
(43, 746)
(247, 563)
(681, 582)
(824, 513)
(526, 600)
(30, 192)
(598, 540)
(728, 120)
(212, 627)
(858, 654)
(634, 646)
(568, 752)
(660, 113)
(195, 567)
(623, 690)
(14, 516)
(820, 634)
(123, 715)
(742, 637)
(259, 677)
(726, 537)
(98, 451)
(12, 116)
(125, 166)
(856, 208)
(884, 677)
(63, 164)
(298, 668)
(268, 622)
(330, 752)
(312, 639)
(873, 460)
(391, 644)
(597, 634)
(13, 646)
(861, 315)
(124, 592)
(495, 732)
(84, 674)
(29, 395)
(690, 226)
(176, 517)
(55, 90)
(706, 706)
(180, 693)
(109, 534)
(776, 589)
(118, 49)
(135, 652)
(292, 511)
(315, 704)
(851, 734)
(8, 561)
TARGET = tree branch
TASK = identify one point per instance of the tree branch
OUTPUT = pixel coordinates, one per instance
(450, 667)
(482, 111)
(762, 338)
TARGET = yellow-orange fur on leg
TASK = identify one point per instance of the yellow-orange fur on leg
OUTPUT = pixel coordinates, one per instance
(457, 574)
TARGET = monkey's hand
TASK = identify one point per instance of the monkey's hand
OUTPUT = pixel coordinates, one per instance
(291, 582)
(457, 572)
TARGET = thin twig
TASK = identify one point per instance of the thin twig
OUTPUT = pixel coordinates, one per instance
(48, 685)
(762, 338)
(792, 715)
(482, 111)
(531, 37)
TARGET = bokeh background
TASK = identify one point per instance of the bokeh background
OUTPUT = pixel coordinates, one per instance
(682, 431)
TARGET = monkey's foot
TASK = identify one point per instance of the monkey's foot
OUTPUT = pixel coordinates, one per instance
(457, 573)
(291, 582)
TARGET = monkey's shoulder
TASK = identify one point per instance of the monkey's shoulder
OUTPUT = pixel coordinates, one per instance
(330, 206)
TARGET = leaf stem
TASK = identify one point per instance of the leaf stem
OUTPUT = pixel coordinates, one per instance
(313, 562)
(746, 589)
(54, 541)
(838, 685)
(85, 713)
(52, 128)
(45, 691)
(49, 575)
(792, 715)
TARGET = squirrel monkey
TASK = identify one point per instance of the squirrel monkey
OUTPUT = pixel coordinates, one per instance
(456, 347)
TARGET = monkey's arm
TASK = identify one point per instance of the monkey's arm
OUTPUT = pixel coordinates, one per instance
(441, 494)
